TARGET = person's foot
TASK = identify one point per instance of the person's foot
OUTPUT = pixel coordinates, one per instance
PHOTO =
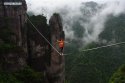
(60, 53)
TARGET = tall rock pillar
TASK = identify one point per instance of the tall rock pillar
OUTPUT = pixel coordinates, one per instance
(56, 70)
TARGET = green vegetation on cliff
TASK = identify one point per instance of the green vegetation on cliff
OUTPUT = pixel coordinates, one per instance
(118, 76)
(27, 75)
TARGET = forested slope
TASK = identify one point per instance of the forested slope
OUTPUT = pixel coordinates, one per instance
(97, 66)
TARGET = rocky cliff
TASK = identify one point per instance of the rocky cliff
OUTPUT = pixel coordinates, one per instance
(17, 17)
(56, 70)
(12, 46)
(39, 50)
(21, 45)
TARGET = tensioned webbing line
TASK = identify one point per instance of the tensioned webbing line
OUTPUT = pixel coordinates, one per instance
(103, 46)
(91, 49)
(43, 36)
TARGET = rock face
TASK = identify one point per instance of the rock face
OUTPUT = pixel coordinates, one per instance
(26, 46)
(14, 60)
(17, 15)
(39, 49)
(12, 20)
(56, 70)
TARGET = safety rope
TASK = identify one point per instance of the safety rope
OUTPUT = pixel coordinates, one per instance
(43, 36)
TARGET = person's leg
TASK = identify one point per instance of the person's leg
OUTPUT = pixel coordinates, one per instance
(62, 51)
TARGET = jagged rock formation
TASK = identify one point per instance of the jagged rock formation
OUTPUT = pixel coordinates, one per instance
(26, 46)
(56, 70)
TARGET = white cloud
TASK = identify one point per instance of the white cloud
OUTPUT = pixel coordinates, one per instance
(95, 23)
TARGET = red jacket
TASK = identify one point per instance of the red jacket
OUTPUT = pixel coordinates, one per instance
(61, 43)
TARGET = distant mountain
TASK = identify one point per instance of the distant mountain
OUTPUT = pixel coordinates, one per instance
(77, 18)
(89, 8)
(114, 29)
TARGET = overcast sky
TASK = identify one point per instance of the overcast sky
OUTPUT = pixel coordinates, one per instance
(62, 2)
(66, 1)
(50, 6)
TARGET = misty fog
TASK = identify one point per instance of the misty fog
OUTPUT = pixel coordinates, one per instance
(91, 18)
